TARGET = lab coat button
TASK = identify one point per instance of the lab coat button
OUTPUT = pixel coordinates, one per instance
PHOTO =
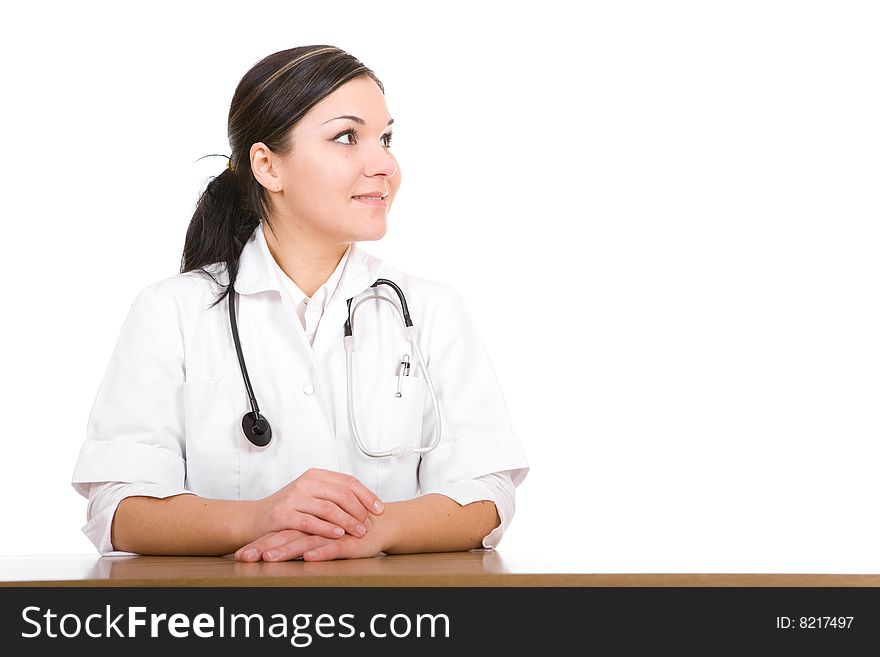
(309, 389)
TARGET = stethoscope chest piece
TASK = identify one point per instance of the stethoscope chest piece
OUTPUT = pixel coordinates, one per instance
(257, 431)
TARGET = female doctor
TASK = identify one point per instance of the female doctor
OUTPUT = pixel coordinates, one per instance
(235, 416)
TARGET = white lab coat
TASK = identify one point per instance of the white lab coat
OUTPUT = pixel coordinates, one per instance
(167, 416)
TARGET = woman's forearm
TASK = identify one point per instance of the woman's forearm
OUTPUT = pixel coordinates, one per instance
(183, 525)
(192, 525)
(436, 523)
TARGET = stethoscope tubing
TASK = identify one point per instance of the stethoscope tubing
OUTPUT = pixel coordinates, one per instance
(256, 427)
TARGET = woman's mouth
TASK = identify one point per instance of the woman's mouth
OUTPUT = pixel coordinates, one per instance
(372, 199)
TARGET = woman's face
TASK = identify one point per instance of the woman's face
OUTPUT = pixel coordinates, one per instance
(334, 161)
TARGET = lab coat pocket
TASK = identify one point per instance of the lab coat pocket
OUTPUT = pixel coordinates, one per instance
(401, 426)
(211, 439)
(402, 419)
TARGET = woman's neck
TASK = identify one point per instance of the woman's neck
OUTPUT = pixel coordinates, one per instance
(307, 262)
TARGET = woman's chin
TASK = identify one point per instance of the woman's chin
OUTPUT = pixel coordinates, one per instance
(372, 233)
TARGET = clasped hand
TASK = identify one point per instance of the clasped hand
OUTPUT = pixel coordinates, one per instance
(321, 515)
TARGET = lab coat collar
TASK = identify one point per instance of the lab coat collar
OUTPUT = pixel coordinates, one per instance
(256, 274)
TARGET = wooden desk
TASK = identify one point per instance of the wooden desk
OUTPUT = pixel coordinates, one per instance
(479, 568)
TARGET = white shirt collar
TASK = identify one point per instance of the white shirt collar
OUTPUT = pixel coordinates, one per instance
(322, 295)
(356, 272)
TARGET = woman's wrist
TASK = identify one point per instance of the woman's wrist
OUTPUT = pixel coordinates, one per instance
(387, 527)
(248, 522)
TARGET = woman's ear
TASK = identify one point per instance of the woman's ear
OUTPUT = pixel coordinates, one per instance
(264, 165)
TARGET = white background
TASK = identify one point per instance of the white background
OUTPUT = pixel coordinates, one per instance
(663, 216)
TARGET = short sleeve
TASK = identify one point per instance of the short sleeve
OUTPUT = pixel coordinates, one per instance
(477, 437)
(135, 432)
(104, 498)
(497, 487)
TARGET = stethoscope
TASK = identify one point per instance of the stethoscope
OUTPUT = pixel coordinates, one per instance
(255, 426)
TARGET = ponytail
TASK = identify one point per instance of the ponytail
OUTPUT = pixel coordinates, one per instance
(223, 221)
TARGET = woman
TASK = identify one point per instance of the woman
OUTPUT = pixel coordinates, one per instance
(195, 448)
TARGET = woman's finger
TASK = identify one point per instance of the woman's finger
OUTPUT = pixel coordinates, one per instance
(272, 540)
(306, 523)
(252, 551)
(294, 549)
(368, 499)
(343, 497)
(325, 552)
(325, 509)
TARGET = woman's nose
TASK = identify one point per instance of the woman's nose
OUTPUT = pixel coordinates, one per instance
(384, 163)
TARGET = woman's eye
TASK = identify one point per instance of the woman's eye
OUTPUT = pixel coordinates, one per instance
(386, 138)
(348, 133)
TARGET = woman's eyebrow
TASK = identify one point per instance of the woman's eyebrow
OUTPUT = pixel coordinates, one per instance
(356, 119)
